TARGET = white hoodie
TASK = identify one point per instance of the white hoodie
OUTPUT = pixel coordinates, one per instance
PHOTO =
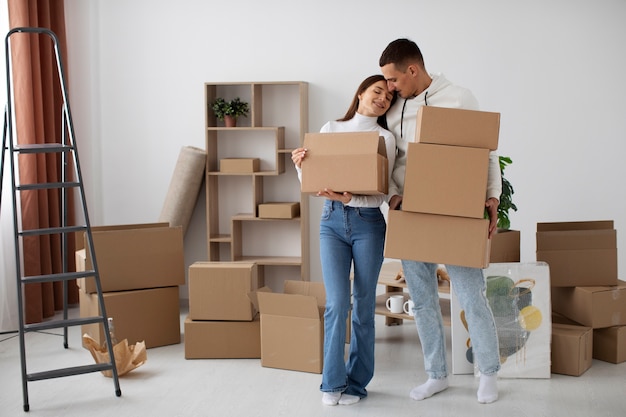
(402, 119)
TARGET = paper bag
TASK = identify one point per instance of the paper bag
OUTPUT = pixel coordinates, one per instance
(127, 357)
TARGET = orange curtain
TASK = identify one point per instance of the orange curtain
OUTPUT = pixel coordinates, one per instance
(38, 119)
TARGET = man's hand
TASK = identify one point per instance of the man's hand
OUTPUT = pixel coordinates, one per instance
(492, 210)
(395, 202)
(344, 197)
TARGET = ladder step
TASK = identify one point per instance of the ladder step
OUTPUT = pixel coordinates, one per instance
(75, 370)
(47, 186)
(59, 323)
(63, 276)
(52, 230)
(42, 148)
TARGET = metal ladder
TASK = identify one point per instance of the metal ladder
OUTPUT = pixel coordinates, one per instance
(66, 152)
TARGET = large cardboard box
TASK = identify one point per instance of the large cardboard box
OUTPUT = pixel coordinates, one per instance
(459, 127)
(347, 161)
(597, 307)
(279, 210)
(449, 180)
(219, 290)
(239, 165)
(292, 327)
(439, 239)
(133, 257)
(505, 246)
(222, 339)
(572, 348)
(609, 344)
(579, 253)
(151, 315)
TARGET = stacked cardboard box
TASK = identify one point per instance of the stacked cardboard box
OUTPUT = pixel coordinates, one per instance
(585, 286)
(222, 322)
(441, 219)
(140, 268)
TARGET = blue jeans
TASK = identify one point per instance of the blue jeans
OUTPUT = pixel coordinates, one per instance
(350, 234)
(469, 286)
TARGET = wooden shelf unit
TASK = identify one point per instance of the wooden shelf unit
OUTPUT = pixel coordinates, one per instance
(276, 124)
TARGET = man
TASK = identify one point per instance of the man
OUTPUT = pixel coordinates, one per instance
(402, 64)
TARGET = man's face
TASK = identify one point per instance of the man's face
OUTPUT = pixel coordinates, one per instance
(401, 81)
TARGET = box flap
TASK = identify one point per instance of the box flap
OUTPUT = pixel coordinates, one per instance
(315, 289)
(291, 305)
(254, 297)
(563, 226)
(344, 143)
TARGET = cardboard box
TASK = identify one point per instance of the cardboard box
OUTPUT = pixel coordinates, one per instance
(579, 253)
(133, 257)
(572, 347)
(348, 161)
(439, 239)
(279, 210)
(222, 339)
(151, 315)
(292, 327)
(459, 127)
(449, 180)
(609, 344)
(219, 290)
(505, 246)
(240, 165)
(595, 307)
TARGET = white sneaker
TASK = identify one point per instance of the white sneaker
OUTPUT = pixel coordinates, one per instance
(347, 399)
(331, 398)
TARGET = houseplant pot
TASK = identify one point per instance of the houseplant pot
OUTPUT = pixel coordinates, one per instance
(229, 111)
(505, 244)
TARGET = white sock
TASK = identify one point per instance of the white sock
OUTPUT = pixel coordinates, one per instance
(347, 399)
(488, 389)
(331, 398)
(429, 388)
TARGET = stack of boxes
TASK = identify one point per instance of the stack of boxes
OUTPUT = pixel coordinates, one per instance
(140, 268)
(588, 300)
(442, 216)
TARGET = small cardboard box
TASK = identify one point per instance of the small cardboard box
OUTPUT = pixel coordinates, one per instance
(571, 349)
(449, 180)
(240, 165)
(579, 253)
(219, 290)
(439, 239)
(595, 307)
(459, 127)
(348, 161)
(505, 246)
(151, 315)
(283, 210)
(292, 326)
(609, 344)
(222, 339)
(134, 257)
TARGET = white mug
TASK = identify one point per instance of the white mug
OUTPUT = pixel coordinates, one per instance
(394, 303)
(408, 307)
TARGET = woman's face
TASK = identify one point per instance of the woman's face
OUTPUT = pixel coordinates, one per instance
(375, 100)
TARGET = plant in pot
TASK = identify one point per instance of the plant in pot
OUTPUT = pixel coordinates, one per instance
(505, 245)
(229, 111)
(506, 198)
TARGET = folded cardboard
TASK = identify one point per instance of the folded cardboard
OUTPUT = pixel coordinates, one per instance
(151, 315)
(571, 350)
(240, 165)
(222, 339)
(459, 127)
(579, 253)
(597, 307)
(609, 344)
(439, 239)
(279, 210)
(132, 257)
(505, 246)
(292, 326)
(219, 290)
(449, 180)
(347, 161)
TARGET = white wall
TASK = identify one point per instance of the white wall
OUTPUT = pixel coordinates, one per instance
(553, 69)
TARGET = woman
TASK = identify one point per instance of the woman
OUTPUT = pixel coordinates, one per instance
(352, 230)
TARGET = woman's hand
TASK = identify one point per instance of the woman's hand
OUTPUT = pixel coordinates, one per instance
(297, 156)
(344, 197)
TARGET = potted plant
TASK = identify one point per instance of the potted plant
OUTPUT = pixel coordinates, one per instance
(506, 198)
(229, 111)
(505, 244)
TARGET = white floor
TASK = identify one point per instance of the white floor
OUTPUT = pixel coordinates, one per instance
(169, 385)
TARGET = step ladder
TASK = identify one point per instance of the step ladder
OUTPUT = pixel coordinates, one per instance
(71, 180)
